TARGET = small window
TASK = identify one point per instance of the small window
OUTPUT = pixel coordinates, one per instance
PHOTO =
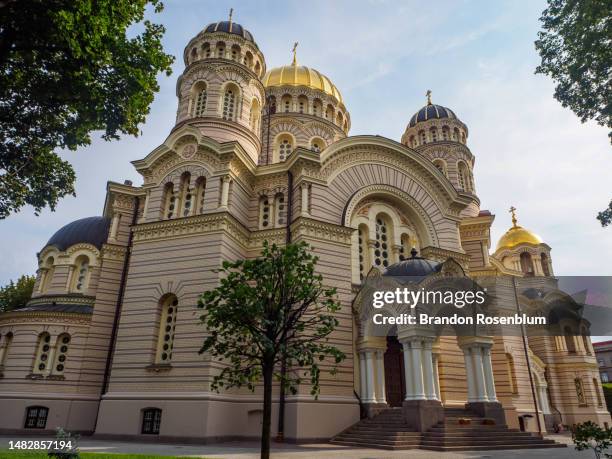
(229, 102)
(61, 351)
(41, 362)
(597, 389)
(281, 212)
(604, 377)
(36, 417)
(264, 212)
(200, 102)
(81, 274)
(151, 420)
(167, 327)
(580, 392)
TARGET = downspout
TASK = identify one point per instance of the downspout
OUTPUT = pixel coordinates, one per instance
(122, 283)
(533, 394)
(280, 436)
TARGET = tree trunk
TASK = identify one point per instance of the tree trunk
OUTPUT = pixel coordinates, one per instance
(268, 371)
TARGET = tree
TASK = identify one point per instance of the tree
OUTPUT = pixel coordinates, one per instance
(589, 435)
(67, 68)
(16, 294)
(265, 311)
(576, 50)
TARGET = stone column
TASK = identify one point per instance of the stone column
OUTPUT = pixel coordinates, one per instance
(479, 377)
(71, 269)
(488, 374)
(225, 187)
(380, 367)
(362, 377)
(112, 236)
(369, 358)
(305, 203)
(408, 371)
(469, 372)
(428, 372)
(436, 376)
(145, 209)
(417, 370)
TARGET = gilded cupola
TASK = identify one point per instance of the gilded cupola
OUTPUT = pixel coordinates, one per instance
(517, 235)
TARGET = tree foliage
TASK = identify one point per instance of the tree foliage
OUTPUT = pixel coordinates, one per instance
(589, 435)
(605, 216)
(16, 294)
(67, 68)
(267, 310)
(576, 50)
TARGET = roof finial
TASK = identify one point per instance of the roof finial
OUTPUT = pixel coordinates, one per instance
(428, 94)
(513, 212)
(231, 14)
(294, 50)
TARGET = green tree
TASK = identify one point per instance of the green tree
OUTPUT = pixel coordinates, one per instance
(576, 50)
(16, 294)
(589, 435)
(267, 310)
(67, 68)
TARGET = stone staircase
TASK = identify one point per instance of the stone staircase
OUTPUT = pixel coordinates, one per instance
(388, 430)
(450, 435)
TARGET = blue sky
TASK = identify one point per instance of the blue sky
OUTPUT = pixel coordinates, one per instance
(477, 57)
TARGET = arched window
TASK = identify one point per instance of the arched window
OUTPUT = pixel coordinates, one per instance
(264, 212)
(580, 392)
(381, 245)
(248, 60)
(36, 417)
(445, 133)
(186, 195)
(61, 351)
(511, 374)
(284, 147)
(422, 137)
(206, 50)
(220, 48)
(570, 343)
(229, 103)
(585, 342)
(43, 352)
(339, 119)
(404, 247)
(316, 145)
(286, 103)
(80, 276)
(597, 389)
(194, 55)
(200, 97)
(280, 210)
(464, 178)
(254, 115)
(151, 421)
(440, 165)
(526, 263)
(236, 53)
(47, 274)
(167, 326)
(200, 193)
(257, 68)
(169, 200)
(455, 134)
(462, 137)
(544, 262)
(329, 113)
(317, 107)
(302, 104)
(434, 134)
(364, 264)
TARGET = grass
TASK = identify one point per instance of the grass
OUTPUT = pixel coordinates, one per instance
(40, 455)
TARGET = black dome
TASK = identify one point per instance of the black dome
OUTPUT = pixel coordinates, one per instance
(414, 267)
(91, 230)
(431, 111)
(230, 27)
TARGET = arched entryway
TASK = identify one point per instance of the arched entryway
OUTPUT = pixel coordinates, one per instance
(395, 384)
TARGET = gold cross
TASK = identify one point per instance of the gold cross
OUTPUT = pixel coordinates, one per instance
(513, 212)
(428, 94)
(294, 50)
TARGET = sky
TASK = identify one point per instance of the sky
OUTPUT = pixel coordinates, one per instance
(477, 57)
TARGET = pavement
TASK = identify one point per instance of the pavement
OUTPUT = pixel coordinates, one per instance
(250, 450)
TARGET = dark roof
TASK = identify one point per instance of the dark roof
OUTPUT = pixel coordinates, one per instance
(92, 230)
(54, 307)
(415, 268)
(431, 111)
(230, 27)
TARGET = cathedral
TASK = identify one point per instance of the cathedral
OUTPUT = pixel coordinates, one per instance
(108, 345)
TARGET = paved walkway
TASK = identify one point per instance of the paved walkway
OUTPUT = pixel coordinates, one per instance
(248, 450)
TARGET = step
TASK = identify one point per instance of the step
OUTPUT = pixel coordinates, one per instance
(484, 442)
(405, 437)
(496, 447)
(379, 441)
(373, 445)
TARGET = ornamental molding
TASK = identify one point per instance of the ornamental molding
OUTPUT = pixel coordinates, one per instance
(389, 190)
(532, 249)
(63, 299)
(45, 317)
(113, 252)
(309, 228)
(276, 236)
(123, 202)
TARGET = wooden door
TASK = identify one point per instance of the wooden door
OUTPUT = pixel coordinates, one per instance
(395, 386)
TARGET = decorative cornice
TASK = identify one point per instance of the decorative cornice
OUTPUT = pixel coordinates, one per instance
(63, 299)
(45, 317)
(113, 252)
(315, 229)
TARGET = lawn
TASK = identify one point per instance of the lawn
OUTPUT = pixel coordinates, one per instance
(40, 455)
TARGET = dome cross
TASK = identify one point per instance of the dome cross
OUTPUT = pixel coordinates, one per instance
(428, 94)
(513, 212)
(294, 51)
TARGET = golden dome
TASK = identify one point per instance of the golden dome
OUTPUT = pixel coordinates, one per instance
(300, 75)
(517, 235)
